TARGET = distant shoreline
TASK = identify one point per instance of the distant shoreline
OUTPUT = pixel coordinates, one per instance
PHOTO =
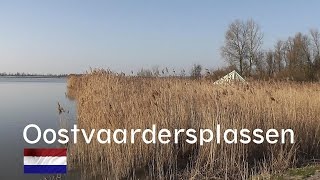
(37, 76)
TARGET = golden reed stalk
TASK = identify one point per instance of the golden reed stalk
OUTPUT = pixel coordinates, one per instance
(106, 100)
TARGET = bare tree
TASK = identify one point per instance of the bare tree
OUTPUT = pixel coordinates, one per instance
(254, 42)
(270, 63)
(243, 41)
(298, 56)
(145, 73)
(315, 38)
(234, 50)
(260, 64)
(196, 71)
(315, 41)
(279, 53)
(315, 52)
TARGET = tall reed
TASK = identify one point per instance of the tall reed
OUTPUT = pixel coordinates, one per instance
(106, 100)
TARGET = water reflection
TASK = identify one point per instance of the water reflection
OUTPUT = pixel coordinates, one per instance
(29, 101)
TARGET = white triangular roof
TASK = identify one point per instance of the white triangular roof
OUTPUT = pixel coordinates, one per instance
(229, 78)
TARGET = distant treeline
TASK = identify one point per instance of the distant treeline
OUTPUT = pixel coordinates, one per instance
(32, 75)
(296, 58)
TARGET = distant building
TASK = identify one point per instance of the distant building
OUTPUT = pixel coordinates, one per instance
(230, 78)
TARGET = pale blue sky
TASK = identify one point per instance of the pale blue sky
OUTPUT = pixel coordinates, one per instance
(70, 36)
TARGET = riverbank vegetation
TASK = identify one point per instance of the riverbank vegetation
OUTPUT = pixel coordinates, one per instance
(108, 100)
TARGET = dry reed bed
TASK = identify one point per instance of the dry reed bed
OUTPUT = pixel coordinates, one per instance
(109, 101)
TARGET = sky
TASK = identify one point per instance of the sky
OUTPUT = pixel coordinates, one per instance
(72, 36)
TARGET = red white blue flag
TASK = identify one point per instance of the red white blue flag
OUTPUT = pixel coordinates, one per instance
(45, 161)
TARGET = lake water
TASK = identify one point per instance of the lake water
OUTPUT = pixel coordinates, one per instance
(26, 101)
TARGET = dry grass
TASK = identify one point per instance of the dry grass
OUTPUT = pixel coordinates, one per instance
(105, 100)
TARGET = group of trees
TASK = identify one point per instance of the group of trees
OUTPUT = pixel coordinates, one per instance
(157, 72)
(196, 72)
(296, 58)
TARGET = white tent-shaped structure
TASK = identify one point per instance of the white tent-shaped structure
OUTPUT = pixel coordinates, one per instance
(230, 78)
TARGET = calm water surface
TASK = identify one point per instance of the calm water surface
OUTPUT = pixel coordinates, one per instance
(26, 101)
